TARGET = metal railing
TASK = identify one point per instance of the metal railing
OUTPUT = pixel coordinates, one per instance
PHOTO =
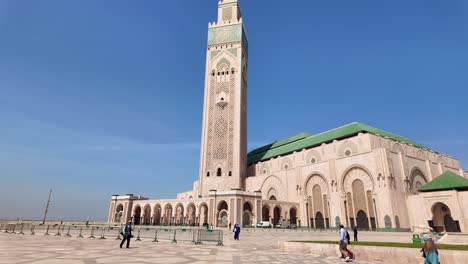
(191, 235)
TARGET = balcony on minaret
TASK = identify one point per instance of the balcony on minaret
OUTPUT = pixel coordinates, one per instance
(228, 12)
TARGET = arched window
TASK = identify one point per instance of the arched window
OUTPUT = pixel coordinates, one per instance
(213, 73)
(232, 71)
(219, 172)
(230, 173)
(208, 174)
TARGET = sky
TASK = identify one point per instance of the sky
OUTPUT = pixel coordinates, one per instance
(106, 97)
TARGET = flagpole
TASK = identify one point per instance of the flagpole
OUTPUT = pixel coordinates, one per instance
(47, 207)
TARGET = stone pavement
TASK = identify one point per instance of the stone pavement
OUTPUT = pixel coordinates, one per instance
(254, 247)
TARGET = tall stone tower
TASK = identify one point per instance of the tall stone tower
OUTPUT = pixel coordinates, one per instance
(223, 161)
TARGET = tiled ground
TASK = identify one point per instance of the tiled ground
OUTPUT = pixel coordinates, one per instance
(254, 247)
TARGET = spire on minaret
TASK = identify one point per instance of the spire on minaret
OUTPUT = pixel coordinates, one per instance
(228, 12)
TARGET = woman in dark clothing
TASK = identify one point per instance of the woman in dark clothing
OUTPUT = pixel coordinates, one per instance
(127, 234)
(355, 233)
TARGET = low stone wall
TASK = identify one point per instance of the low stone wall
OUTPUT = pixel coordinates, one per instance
(388, 255)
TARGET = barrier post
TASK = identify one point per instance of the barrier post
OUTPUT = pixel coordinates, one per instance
(174, 240)
(32, 230)
(80, 234)
(14, 228)
(193, 237)
(220, 239)
(118, 233)
(68, 232)
(47, 231)
(138, 236)
(58, 231)
(92, 232)
(155, 235)
(102, 233)
(21, 230)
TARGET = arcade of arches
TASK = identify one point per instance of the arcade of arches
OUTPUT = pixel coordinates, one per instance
(357, 202)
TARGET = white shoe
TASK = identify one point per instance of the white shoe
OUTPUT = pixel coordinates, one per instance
(347, 259)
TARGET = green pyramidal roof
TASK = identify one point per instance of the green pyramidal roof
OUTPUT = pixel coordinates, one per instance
(305, 140)
(446, 181)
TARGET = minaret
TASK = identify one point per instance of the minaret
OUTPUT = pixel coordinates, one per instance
(223, 160)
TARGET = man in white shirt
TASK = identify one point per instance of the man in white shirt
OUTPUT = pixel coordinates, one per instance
(343, 243)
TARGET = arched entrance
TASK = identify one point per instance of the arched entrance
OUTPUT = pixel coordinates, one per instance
(247, 215)
(358, 189)
(157, 215)
(179, 220)
(442, 220)
(167, 214)
(118, 214)
(362, 220)
(223, 214)
(319, 222)
(147, 215)
(266, 213)
(276, 215)
(203, 218)
(137, 215)
(191, 215)
(293, 216)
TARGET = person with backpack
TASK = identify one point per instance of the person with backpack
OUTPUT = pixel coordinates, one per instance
(127, 234)
(343, 244)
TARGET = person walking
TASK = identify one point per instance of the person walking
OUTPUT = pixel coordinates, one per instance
(355, 232)
(236, 231)
(343, 244)
(127, 234)
(229, 226)
(430, 252)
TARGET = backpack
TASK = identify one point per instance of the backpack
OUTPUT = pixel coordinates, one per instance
(347, 237)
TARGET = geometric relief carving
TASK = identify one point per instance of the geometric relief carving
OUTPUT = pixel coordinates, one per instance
(312, 156)
(273, 183)
(357, 173)
(347, 148)
(225, 34)
(313, 180)
(417, 180)
(286, 163)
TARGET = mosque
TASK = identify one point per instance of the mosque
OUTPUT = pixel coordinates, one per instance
(355, 174)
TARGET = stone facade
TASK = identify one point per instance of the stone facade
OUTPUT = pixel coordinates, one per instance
(363, 178)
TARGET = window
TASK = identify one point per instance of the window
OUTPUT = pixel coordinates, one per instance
(219, 172)
(313, 160)
(208, 174)
(347, 152)
(230, 173)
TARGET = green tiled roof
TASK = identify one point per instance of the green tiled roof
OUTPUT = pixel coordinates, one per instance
(305, 140)
(446, 181)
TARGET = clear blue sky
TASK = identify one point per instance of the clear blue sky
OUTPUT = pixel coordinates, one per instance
(104, 97)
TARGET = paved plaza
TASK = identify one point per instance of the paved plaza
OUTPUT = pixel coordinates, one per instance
(254, 247)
